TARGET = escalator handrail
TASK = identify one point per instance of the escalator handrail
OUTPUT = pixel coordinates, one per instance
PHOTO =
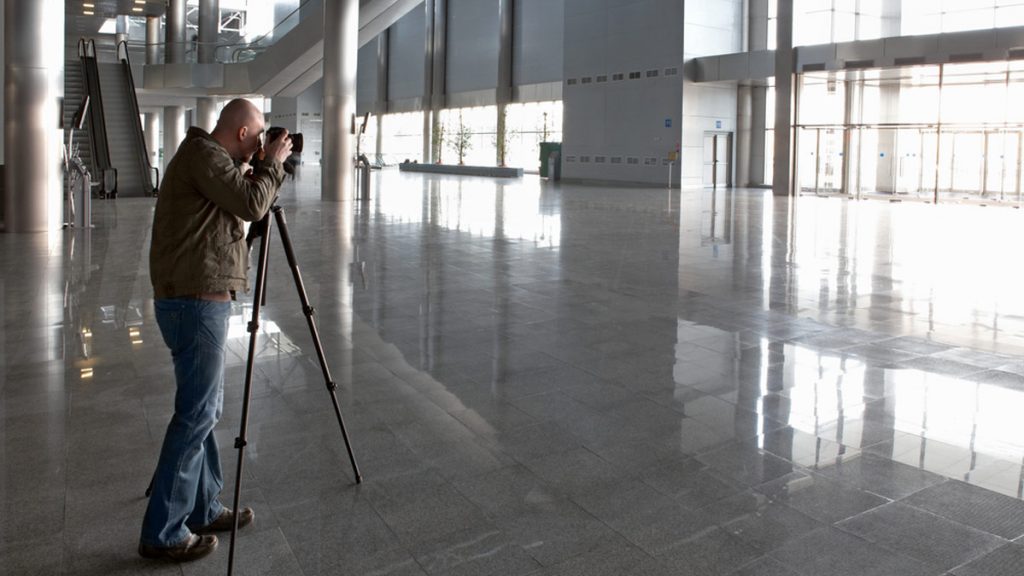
(97, 118)
(133, 100)
(83, 47)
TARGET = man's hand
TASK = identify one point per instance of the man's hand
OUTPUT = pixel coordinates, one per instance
(280, 148)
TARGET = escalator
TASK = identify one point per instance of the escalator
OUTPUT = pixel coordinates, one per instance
(120, 161)
(96, 150)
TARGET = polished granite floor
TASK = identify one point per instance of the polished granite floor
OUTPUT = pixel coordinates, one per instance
(545, 379)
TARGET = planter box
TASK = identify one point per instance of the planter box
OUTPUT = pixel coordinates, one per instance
(489, 171)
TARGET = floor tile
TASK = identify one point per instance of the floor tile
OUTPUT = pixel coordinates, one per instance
(931, 539)
(976, 507)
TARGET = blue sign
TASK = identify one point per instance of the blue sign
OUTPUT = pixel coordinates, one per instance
(668, 122)
(718, 124)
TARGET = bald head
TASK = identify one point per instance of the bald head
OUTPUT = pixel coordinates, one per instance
(238, 128)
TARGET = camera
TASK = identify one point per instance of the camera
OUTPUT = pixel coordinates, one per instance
(273, 133)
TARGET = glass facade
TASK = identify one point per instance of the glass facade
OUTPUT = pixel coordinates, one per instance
(939, 132)
(475, 130)
(934, 132)
(829, 21)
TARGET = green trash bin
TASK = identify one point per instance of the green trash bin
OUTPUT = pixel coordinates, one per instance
(546, 148)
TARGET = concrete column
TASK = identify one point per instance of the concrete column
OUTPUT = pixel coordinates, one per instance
(506, 23)
(174, 53)
(341, 49)
(379, 144)
(744, 134)
(383, 63)
(888, 106)
(34, 89)
(206, 113)
(428, 82)
(436, 77)
(209, 30)
(380, 107)
(153, 137)
(757, 39)
(850, 183)
(782, 182)
(758, 129)
(121, 30)
(892, 17)
(153, 40)
(174, 133)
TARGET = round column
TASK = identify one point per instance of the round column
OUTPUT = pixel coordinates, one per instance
(206, 113)
(152, 40)
(153, 138)
(174, 133)
(175, 51)
(341, 49)
(34, 88)
(209, 30)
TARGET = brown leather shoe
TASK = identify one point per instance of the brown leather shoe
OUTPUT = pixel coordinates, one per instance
(225, 521)
(193, 548)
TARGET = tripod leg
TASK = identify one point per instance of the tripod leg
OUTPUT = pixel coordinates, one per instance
(332, 387)
(240, 441)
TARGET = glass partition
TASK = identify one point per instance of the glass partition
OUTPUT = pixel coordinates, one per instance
(247, 28)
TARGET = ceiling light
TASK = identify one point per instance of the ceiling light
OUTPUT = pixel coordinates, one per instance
(87, 12)
(137, 9)
(88, 5)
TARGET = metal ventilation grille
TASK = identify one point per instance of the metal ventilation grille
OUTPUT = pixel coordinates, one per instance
(634, 75)
(616, 159)
(571, 81)
(601, 79)
(633, 161)
(652, 73)
(671, 71)
(618, 77)
(599, 159)
(570, 158)
(584, 159)
(586, 80)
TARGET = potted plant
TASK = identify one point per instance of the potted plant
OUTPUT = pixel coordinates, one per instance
(462, 140)
(437, 139)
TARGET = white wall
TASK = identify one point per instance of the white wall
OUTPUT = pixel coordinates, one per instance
(303, 114)
(711, 27)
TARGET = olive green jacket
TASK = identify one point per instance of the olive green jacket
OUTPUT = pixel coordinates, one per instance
(198, 243)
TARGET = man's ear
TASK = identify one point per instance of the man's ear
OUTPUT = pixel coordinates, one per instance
(242, 133)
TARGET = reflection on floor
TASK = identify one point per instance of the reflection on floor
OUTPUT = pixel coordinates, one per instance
(547, 379)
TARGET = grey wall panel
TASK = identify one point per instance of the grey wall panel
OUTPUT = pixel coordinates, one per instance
(537, 41)
(407, 53)
(473, 37)
(366, 82)
(621, 129)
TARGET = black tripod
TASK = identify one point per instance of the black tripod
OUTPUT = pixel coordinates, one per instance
(262, 229)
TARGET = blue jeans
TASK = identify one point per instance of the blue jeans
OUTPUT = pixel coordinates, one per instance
(188, 478)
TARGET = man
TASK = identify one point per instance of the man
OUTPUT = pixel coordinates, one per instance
(198, 259)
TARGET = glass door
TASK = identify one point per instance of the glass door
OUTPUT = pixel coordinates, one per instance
(1002, 166)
